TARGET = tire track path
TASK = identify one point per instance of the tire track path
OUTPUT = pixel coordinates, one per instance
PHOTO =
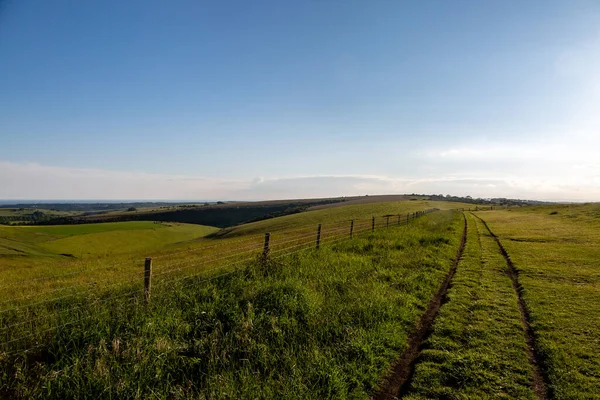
(539, 379)
(403, 369)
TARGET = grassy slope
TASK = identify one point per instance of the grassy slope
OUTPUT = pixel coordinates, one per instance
(34, 251)
(317, 324)
(39, 234)
(477, 347)
(557, 258)
(133, 237)
(174, 253)
(338, 212)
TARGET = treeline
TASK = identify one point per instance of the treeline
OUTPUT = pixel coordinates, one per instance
(33, 218)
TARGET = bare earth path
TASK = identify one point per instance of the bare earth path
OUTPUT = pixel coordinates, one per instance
(539, 381)
(403, 368)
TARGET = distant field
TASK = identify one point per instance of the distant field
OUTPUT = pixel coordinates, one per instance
(30, 252)
(7, 212)
(220, 214)
(126, 237)
(106, 238)
(340, 212)
(348, 201)
(11, 216)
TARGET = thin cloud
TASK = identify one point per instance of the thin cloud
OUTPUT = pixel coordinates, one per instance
(35, 181)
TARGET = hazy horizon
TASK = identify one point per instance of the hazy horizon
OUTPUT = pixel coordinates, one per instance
(270, 100)
(5, 202)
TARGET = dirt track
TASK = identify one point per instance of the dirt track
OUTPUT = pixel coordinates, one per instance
(401, 372)
(539, 382)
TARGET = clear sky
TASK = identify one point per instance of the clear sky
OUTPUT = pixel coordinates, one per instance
(280, 99)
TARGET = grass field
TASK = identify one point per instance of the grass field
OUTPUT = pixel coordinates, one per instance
(477, 347)
(339, 212)
(33, 252)
(556, 251)
(58, 238)
(113, 251)
(327, 323)
(317, 324)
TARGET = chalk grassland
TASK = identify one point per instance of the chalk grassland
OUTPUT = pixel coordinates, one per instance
(95, 239)
(316, 324)
(477, 346)
(339, 212)
(101, 256)
(556, 251)
(28, 253)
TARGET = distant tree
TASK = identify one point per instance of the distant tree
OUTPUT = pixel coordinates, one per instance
(38, 216)
(132, 209)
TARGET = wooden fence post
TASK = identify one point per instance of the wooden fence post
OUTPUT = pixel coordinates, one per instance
(387, 221)
(373, 224)
(318, 236)
(351, 228)
(265, 254)
(147, 279)
(398, 219)
(407, 218)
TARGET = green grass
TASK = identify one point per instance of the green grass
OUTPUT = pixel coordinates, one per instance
(132, 237)
(317, 324)
(339, 213)
(477, 347)
(557, 257)
(38, 234)
(104, 238)
(31, 252)
(112, 252)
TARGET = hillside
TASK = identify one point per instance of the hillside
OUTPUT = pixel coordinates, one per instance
(261, 330)
(411, 302)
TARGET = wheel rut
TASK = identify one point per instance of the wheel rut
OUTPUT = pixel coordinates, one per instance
(540, 383)
(402, 371)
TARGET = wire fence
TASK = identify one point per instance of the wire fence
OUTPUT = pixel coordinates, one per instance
(50, 303)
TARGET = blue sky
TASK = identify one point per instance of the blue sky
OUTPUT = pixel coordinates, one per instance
(270, 99)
